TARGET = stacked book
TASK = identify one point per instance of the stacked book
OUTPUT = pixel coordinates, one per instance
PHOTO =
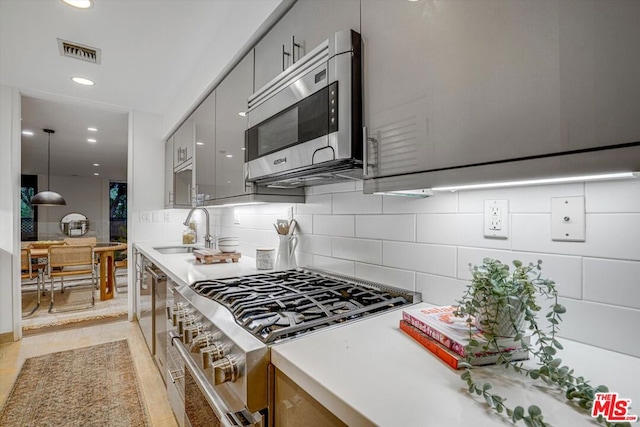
(446, 336)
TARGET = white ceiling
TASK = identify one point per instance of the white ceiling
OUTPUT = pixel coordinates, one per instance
(157, 56)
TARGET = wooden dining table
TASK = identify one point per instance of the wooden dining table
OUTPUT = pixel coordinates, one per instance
(106, 252)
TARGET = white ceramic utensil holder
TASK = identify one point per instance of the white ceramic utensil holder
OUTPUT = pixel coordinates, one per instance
(286, 257)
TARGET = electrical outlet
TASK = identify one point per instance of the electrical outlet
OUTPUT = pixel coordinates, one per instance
(155, 216)
(496, 222)
(145, 217)
(290, 213)
(167, 216)
(236, 216)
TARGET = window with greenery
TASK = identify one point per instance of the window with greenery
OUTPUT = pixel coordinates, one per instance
(118, 211)
(28, 213)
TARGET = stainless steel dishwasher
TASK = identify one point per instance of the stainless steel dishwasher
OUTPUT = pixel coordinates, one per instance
(151, 283)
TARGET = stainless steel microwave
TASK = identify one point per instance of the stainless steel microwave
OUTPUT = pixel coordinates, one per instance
(305, 126)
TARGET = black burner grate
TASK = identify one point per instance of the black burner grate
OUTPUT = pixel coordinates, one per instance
(275, 306)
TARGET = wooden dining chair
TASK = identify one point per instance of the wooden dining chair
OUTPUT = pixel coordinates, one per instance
(83, 241)
(72, 261)
(30, 271)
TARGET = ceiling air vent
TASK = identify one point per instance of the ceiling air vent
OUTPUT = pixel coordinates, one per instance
(79, 51)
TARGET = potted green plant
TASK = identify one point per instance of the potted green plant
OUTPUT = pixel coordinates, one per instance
(503, 302)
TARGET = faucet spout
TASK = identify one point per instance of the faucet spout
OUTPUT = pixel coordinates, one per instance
(209, 240)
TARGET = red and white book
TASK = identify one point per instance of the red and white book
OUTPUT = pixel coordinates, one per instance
(452, 358)
(443, 326)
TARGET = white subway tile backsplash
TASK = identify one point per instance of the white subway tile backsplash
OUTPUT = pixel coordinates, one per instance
(334, 225)
(438, 203)
(439, 290)
(602, 325)
(386, 227)
(612, 282)
(613, 196)
(315, 204)
(318, 245)
(566, 271)
(335, 265)
(456, 229)
(427, 245)
(369, 251)
(521, 199)
(608, 236)
(356, 203)
(434, 259)
(403, 279)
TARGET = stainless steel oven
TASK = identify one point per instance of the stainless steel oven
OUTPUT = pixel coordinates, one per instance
(223, 329)
(305, 126)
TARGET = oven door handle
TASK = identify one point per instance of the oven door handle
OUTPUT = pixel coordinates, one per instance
(228, 418)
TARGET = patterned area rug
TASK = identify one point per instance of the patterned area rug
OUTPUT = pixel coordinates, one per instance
(90, 386)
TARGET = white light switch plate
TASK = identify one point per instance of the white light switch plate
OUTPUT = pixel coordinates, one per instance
(496, 219)
(568, 219)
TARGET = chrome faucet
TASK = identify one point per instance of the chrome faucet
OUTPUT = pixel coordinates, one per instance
(209, 240)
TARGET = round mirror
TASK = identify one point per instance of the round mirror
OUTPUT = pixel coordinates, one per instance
(74, 224)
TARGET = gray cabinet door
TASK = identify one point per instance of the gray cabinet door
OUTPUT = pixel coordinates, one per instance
(308, 23)
(205, 150)
(168, 173)
(231, 101)
(461, 83)
(183, 140)
(599, 72)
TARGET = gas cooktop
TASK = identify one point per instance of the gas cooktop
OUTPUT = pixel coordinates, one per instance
(278, 305)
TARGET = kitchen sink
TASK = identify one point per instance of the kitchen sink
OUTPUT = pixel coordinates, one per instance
(176, 249)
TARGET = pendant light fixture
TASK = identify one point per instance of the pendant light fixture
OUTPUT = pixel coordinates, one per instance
(48, 198)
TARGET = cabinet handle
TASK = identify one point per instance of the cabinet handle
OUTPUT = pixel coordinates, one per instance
(365, 152)
(284, 53)
(294, 45)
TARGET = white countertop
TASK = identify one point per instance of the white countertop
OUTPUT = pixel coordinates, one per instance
(184, 269)
(371, 373)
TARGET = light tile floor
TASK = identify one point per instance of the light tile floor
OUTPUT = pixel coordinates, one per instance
(13, 355)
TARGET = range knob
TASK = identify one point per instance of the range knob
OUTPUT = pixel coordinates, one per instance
(191, 331)
(225, 369)
(201, 341)
(186, 319)
(175, 312)
(211, 353)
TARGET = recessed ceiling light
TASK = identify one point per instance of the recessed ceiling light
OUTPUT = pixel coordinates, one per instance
(91, 140)
(243, 148)
(199, 143)
(96, 164)
(229, 155)
(82, 81)
(96, 173)
(80, 4)
(27, 132)
(242, 114)
(92, 129)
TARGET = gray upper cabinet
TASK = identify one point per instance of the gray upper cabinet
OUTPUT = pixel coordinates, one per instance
(168, 173)
(205, 150)
(183, 141)
(470, 82)
(307, 24)
(230, 125)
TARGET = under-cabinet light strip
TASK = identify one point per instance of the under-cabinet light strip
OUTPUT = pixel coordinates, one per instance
(601, 177)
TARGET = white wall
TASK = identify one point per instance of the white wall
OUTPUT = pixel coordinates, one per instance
(9, 196)
(426, 245)
(86, 195)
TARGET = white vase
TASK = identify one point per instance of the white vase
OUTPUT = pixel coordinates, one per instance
(286, 258)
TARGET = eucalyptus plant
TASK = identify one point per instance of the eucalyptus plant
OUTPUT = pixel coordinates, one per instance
(496, 293)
